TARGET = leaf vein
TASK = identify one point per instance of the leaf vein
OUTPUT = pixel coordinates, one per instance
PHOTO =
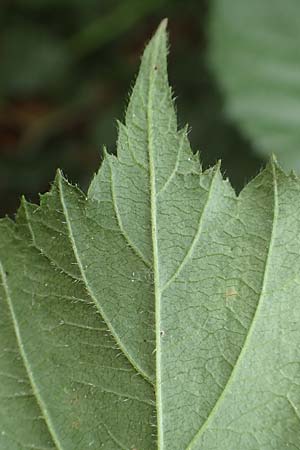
(91, 293)
(197, 234)
(118, 217)
(252, 326)
(35, 390)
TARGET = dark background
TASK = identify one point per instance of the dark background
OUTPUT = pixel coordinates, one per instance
(66, 69)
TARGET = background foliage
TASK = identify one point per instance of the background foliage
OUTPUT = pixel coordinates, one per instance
(254, 51)
(65, 69)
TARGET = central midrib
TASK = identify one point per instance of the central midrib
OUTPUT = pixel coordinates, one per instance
(157, 293)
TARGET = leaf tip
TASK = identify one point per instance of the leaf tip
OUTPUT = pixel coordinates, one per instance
(105, 152)
(159, 38)
(23, 200)
(163, 25)
(274, 164)
(58, 176)
(218, 165)
(274, 159)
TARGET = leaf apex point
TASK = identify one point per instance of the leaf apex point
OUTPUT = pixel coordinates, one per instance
(185, 129)
(161, 32)
(163, 24)
(274, 158)
(275, 164)
(218, 165)
(23, 200)
(58, 175)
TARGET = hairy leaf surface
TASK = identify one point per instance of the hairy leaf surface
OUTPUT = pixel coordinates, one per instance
(159, 312)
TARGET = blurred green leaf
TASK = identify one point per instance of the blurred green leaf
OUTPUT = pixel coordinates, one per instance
(41, 4)
(106, 27)
(59, 102)
(254, 51)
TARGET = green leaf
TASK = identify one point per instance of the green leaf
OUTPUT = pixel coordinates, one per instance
(255, 57)
(160, 311)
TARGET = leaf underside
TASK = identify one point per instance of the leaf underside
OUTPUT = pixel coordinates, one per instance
(160, 311)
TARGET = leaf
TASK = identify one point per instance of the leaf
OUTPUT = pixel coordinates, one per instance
(254, 54)
(160, 311)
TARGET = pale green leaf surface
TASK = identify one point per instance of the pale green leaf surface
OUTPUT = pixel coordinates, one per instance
(254, 53)
(169, 318)
(22, 425)
(72, 358)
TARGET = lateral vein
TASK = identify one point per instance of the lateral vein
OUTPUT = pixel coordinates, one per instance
(34, 387)
(93, 296)
(252, 326)
(196, 237)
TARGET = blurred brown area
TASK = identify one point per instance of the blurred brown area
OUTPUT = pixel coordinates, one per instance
(66, 69)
